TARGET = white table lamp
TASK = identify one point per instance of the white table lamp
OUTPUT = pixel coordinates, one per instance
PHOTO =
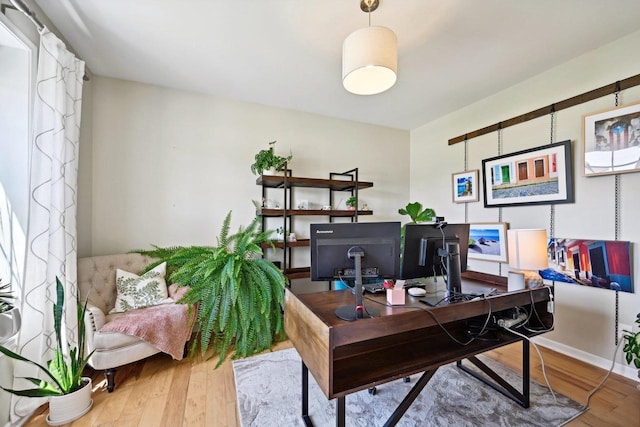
(527, 254)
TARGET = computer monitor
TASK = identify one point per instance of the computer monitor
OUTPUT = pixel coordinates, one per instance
(353, 251)
(436, 250)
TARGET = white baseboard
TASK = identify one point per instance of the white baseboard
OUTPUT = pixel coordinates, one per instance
(619, 368)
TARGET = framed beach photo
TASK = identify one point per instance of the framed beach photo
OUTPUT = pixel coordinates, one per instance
(612, 141)
(537, 176)
(465, 186)
(488, 241)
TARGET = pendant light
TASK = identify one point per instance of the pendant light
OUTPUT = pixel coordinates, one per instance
(369, 57)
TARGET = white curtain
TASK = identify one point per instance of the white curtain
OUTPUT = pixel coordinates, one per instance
(51, 233)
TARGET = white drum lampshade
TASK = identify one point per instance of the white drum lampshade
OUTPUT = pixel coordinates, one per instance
(527, 254)
(369, 60)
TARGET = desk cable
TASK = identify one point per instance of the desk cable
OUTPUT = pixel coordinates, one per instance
(544, 371)
(613, 363)
(535, 311)
(482, 331)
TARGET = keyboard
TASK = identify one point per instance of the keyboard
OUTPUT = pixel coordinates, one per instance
(373, 288)
(413, 284)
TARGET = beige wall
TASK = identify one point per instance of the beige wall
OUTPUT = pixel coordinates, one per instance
(168, 165)
(584, 316)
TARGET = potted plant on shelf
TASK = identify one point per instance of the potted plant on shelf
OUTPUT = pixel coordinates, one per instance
(351, 203)
(239, 294)
(10, 320)
(69, 391)
(267, 159)
(631, 347)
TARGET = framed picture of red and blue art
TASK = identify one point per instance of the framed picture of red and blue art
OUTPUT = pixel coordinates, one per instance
(604, 264)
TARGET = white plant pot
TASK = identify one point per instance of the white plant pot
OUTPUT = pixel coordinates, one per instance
(10, 322)
(69, 407)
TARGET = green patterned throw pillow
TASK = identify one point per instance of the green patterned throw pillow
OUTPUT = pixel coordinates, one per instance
(135, 291)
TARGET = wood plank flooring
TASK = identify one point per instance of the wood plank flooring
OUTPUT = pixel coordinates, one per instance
(162, 392)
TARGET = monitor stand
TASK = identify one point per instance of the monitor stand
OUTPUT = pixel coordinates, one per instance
(357, 311)
(453, 292)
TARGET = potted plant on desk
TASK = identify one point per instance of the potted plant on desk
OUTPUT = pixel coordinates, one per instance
(69, 391)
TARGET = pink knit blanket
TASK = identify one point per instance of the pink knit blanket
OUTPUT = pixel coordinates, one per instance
(166, 327)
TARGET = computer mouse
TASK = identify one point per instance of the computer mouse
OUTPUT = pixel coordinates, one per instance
(417, 292)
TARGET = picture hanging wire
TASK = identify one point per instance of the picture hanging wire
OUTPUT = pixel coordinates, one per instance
(466, 165)
(616, 208)
(500, 208)
(552, 208)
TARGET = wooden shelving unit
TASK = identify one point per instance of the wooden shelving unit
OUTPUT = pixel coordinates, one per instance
(337, 182)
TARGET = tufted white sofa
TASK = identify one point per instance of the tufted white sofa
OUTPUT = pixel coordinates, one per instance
(97, 278)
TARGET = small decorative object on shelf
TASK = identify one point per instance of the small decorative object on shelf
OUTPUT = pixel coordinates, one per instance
(267, 159)
(351, 203)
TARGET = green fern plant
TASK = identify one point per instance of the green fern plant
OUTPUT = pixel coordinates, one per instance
(239, 295)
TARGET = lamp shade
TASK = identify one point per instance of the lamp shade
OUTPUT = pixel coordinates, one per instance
(369, 60)
(527, 249)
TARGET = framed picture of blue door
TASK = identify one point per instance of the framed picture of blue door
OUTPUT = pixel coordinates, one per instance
(537, 176)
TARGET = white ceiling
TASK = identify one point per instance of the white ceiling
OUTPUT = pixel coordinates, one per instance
(287, 53)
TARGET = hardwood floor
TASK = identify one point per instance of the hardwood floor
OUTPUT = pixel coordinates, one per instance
(162, 392)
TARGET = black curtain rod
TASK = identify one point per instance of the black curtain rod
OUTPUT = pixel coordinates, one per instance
(19, 5)
(557, 106)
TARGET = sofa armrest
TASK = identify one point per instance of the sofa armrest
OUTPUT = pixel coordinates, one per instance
(94, 319)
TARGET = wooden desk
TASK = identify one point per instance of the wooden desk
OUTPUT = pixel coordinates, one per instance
(345, 357)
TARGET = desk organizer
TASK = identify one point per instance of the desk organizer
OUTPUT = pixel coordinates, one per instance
(395, 296)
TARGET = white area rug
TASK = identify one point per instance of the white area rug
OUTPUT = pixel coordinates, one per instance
(269, 387)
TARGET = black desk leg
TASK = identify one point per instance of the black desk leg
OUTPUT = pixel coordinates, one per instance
(498, 383)
(409, 398)
(340, 411)
(525, 373)
(305, 396)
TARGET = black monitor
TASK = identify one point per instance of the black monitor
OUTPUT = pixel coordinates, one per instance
(353, 251)
(436, 250)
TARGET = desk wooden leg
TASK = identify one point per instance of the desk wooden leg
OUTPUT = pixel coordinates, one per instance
(305, 396)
